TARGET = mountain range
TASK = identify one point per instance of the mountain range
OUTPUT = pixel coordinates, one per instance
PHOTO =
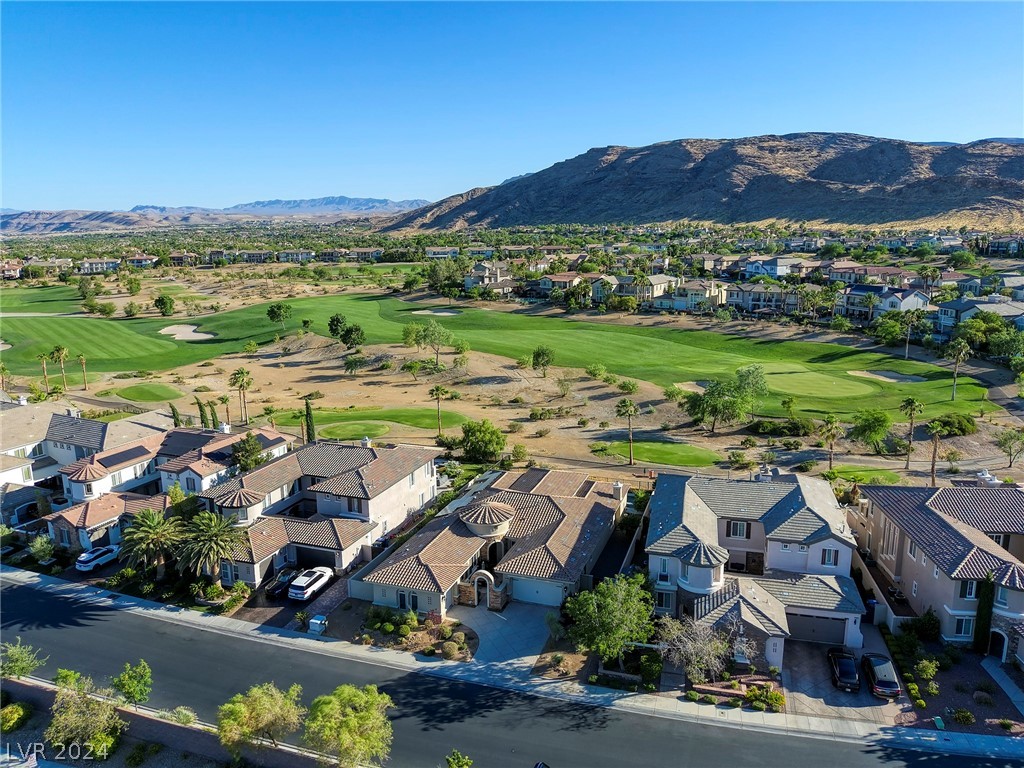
(825, 178)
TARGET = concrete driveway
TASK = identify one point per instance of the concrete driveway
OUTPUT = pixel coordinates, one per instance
(511, 640)
(809, 691)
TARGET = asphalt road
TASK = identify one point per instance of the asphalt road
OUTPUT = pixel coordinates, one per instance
(497, 728)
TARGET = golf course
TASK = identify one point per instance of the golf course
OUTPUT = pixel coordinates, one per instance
(818, 375)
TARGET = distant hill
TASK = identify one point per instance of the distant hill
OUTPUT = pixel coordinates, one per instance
(828, 178)
(361, 205)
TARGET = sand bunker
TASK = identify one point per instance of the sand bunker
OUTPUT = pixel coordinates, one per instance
(690, 386)
(185, 333)
(888, 376)
(438, 312)
(4, 345)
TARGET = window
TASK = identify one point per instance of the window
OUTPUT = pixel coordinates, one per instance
(785, 547)
(913, 589)
(738, 529)
(803, 547)
(663, 600)
(964, 627)
(924, 559)
(663, 576)
(190, 483)
(912, 549)
(1002, 539)
(243, 514)
(430, 599)
(935, 572)
(26, 474)
(1001, 596)
(830, 557)
(353, 505)
(684, 572)
(65, 537)
(968, 590)
(88, 489)
(412, 478)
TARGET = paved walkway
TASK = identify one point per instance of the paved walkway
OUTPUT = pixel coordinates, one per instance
(497, 674)
(1004, 681)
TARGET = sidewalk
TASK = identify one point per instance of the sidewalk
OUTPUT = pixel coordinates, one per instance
(516, 676)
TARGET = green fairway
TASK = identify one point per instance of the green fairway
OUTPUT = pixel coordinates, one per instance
(867, 475)
(354, 430)
(149, 393)
(54, 298)
(663, 452)
(115, 416)
(421, 418)
(815, 373)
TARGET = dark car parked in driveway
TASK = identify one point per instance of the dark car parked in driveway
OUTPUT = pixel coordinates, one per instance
(279, 586)
(881, 676)
(843, 666)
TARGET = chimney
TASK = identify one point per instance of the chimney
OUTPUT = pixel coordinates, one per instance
(366, 442)
(618, 490)
(225, 428)
(22, 400)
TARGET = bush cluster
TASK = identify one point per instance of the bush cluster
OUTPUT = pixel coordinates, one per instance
(449, 650)
(799, 427)
(13, 716)
(766, 696)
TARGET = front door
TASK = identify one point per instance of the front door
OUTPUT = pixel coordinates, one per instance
(401, 601)
(755, 563)
(414, 601)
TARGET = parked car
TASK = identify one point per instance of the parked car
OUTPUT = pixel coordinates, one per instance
(95, 558)
(843, 666)
(308, 583)
(881, 676)
(280, 583)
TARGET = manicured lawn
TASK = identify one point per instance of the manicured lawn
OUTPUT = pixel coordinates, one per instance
(149, 393)
(867, 475)
(353, 430)
(658, 452)
(115, 416)
(813, 372)
(55, 298)
(422, 418)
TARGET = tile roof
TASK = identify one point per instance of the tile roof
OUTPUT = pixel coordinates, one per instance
(813, 591)
(107, 508)
(74, 430)
(991, 510)
(487, 512)
(170, 445)
(958, 549)
(433, 560)
(268, 535)
(217, 454)
(24, 424)
(742, 600)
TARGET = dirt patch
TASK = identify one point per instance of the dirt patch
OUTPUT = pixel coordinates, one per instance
(690, 386)
(438, 312)
(890, 377)
(560, 661)
(185, 333)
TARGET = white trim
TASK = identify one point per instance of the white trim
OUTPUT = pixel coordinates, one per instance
(956, 612)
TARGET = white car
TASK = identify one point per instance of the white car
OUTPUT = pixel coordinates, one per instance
(309, 582)
(95, 558)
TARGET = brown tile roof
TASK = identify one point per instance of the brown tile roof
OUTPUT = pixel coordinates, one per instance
(386, 466)
(487, 512)
(216, 455)
(433, 560)
(268, 535)
(107, 508)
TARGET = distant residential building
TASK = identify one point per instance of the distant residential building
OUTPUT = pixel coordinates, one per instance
(442, 253)
(183, 259)
(480, 252)
(366, 254)
(334, 255)
(855, 304)
(10, 270)
(295, 257)
(141, 261)
(255, 257)
(98, 266)
(561, 280)
(694, 296)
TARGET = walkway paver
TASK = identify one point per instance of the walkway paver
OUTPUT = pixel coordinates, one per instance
(508, 675)
(1004, 681)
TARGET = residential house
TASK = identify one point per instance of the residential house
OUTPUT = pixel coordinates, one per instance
(366, 254)
(442, 253)
(855, 304)
(50, 267)
(561, 280)
(141, 261)
(98, 266)
(951, 313)
(532, 536)
(296, 256)
(656, 248)
(699, 296)
(762, 299)
(10, 269)
(490, 276)
(18, 503)
(937, 544)
(480, 252)
(646, 289)
(776, 267)
(209, 464)
(790, 539)
(23, 430)
(516, 250)
(100, 521)
(334, 255)
(254, 257)
(1006, 246)
(183, 259)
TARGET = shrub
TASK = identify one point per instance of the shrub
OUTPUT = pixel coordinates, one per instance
(707, 698)
(444, 631)
(985, 686)
(515, 426)
(984, 699)
(13, 716)
(963, 716)
(183, 716)
(429, 650)
(137, 756)
(583, 422)
(543, 432)
(459, 638)
(733, 702)
(913, 690)
(957, 424)
(908, 677)
(932, 689)
(650, 667)
(102, 745)
(926, 626)
(960, 687)
(945, 663)
(449, 650)
(409, 618)
(760, 706)
(692, 696)
(955, 653)
(404, 631)
(367, 640)
(792, 445)
(926, 669)
(1006, 725)
(920, 703)
(748, 442)
(799, 427)
(734, 684)
(387, 628)
(593, 680)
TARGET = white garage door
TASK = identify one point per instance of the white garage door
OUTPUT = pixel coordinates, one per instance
(817, 629)
(539, 592)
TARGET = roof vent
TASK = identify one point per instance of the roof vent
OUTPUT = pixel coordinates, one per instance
(366, 442)
(22, 400)
(225, 428)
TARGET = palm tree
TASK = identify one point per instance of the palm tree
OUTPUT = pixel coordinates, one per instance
(85, 379)
(958, 351)
(242, 380)
(42, 358)
(937, 430)
(438, 393)
(225, 400)
(830, 431)
(627, 409)
(869, 302)
(911, 408)
(150, 540)
(5, 373)
(208, 539)
(58, 355)
(912, 320)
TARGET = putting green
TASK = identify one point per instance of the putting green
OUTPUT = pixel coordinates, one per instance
(149, 393)
(867, 475)
(657, 452)
(813, 384)
(421, 418)
(354, 430)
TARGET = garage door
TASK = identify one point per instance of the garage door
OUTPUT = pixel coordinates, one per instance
(307, 557)
(817, 629)
(539, 592)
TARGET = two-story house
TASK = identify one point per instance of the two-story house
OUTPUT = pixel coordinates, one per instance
(141, 261)
(562, 281)
(698, 296)
(98, 266)
(366, 254)
(295, 256)
(854, 301)
(442, 253)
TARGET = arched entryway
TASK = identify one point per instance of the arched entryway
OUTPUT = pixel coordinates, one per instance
(481, 590)
(495, 551)
(997, 643)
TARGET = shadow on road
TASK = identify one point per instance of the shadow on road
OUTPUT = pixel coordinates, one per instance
(68, 613)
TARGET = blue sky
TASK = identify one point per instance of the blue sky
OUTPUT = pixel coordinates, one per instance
(113, 105)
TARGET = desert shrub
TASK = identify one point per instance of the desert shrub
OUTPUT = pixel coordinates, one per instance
(985, 686)
(101, 744)
(957, 424)
(767, 696)
(984, 699)
(515, 427)
(913, 690)
(592, 679)
(543, 432)
(799, 427)
(759, 706)
(932, 689)
(449, 650)
(410, 619)
(183, 716)
(404, 631)
(458, 638)
(692, 696)
(733, 702)
(792, 445)
(583, 423)
(749, 442)
(926, 626)
(387, 628)
(707, 698)
(920, 703)
(734, 684)
(444, 631)
(1006, 725)
(926, 669)
(805, 466)
(13, 716)
(367, 640)
(963, 716)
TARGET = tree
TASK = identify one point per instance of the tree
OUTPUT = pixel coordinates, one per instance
(628, 410)
(457, 760)
(957, 351)
(175, 414)
(247, 453)
(412, 367)
(1011, 442)
(789, 403)
(543, 357)
(59, 355)
(412, 335)
(718, 403)
(263, 712)
(106, 308)
(204, 420)
(673, 393)
(279, 312)
(132, 285)
(81, 716)
(698, 647)
(5, 377)
(152, 539)
(353, 336)
(564, 384)
(134, 683)
(353, 363)
(439, 393)
(226, 402)
(310, 433)
(435, 336)
(41, 548)
(241, 380)
(628, 387)
(335, 325)
(871, 426)
(608, 619)
(208, 540)
(251, 348)
(132, 309)
(17, 660)
(482, 441)
(42, 358)
(352, 725)
(164, 304)
(983, 613)
(751, 386)
(937, 430)
(911, 407)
